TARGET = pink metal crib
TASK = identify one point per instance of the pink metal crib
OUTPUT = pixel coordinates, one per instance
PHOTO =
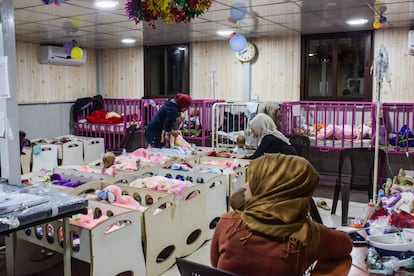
(197, 126)
(148, 109)
(396, 126)
(331, 125)
(130, 109)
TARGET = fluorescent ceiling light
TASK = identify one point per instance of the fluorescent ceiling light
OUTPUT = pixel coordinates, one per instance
(224, 33)
(106, 4)
(128, 40)
(357, 21)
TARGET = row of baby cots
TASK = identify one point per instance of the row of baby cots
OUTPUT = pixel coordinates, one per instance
(330, 125)
(118, 114)
(169, 224)
(46, 154)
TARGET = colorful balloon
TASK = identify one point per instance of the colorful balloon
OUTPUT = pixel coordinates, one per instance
(238, 42)
(67, 26)
(376, 23)
(75, 20)
(238, 11)
(76, 52)
(67, 47)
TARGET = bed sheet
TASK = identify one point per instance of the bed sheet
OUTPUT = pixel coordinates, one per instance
(338, 144)
(84, 125)
(229, 138)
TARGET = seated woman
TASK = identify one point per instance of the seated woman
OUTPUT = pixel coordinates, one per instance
(273, 234)
(271, 140)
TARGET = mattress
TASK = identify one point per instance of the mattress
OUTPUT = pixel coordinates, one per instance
(339, 144)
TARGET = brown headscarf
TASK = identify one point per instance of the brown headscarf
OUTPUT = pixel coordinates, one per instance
(281, 188)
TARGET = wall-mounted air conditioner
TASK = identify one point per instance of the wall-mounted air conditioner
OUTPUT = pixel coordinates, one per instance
(56, 55)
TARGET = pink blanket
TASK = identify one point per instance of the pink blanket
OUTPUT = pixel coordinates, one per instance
(344, 132)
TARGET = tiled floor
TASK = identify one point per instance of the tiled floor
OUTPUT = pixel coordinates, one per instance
(356, 209)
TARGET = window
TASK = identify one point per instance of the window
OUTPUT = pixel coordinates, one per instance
(166, 70)
(337, 66)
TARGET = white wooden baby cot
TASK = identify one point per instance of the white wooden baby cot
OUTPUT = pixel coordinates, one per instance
(191, 212)
(200, 213)
(234, 169)
(238, 178)
(161, 245)
(92, 245)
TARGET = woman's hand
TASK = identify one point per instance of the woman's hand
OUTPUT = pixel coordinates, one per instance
(174, 133)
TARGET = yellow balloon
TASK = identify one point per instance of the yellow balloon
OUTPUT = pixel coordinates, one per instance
(376, 24)
(76, 52)
(75, 20)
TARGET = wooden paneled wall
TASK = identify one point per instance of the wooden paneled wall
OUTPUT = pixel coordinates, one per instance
(214, 72)
(401, 66)
(276, 73)
(123, 73)
(49, 83)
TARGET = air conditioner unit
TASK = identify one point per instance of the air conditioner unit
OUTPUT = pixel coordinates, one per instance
(55, 55)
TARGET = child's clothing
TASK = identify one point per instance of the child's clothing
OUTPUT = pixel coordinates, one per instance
(239, 150)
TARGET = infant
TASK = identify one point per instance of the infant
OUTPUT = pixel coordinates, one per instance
(240, 145)
(168, 139)
(237, 200)
(171, 140)
(108, 160)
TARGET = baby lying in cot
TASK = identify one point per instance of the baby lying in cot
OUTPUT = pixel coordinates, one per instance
(345, 132)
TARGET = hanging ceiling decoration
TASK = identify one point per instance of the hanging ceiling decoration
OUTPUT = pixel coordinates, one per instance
(169, 11)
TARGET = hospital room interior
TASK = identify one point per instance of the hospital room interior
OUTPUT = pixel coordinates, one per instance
(82, 82)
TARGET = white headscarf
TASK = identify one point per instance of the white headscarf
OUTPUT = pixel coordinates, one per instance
(263, 124)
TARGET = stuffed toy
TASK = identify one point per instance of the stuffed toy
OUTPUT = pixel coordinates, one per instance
(402, 138)
(113, 194)
(406, 202)
(57, 179)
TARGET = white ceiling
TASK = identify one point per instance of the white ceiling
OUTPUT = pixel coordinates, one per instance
(38, 23)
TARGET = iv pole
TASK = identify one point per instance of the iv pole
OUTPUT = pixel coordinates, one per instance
(381, 70)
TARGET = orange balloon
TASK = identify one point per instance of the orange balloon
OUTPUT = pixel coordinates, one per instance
(76, 52)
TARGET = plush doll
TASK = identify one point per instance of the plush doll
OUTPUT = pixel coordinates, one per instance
(402, 138)
(406, 202)
(113, 194)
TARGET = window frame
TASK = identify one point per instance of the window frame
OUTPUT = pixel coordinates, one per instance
(305, 41)
(148, 74)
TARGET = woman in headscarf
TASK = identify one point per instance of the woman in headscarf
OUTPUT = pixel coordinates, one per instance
(165, 119)
(271, 140)
(274, 235)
